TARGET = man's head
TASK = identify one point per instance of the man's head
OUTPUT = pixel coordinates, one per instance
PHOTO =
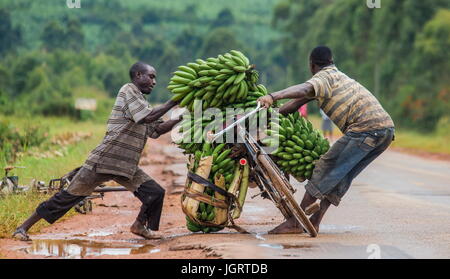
(143, 76)
(320, 57)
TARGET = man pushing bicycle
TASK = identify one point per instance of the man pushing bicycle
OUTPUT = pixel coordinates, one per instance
(368, 131)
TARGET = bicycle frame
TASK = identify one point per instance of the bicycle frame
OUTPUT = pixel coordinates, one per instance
(269, 178)
(260, 175)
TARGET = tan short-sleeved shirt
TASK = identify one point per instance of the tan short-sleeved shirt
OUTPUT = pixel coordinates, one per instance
(347, 103)
(125, 138)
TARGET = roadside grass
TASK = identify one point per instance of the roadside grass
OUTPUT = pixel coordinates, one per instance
(415, 141)
(436, 142)
(15, 209)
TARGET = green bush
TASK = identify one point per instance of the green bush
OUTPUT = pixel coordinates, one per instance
(14, 140)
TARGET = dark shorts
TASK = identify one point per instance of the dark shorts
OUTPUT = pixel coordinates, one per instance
(348, 156)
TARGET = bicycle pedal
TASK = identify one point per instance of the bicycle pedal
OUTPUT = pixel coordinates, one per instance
(313, 208)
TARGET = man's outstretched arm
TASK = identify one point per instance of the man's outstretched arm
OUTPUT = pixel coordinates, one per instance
(167, 126)
(304, 91)
(293, 105)
(158, 111)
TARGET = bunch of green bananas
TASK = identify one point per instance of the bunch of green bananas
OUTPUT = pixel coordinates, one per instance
(225, 81)
(193, 130)
(194, 227)
(218, 81)
(300, 145)
(222, 163)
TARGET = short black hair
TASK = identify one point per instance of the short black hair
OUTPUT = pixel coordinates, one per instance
(138, 67)
(321, 56)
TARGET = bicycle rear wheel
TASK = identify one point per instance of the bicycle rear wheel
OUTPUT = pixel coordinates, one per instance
(282, 186)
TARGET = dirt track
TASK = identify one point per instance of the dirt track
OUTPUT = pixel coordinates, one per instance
(398, 208)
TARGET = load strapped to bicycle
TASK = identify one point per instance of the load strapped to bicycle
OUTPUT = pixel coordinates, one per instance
(218, 178)
(220, 204)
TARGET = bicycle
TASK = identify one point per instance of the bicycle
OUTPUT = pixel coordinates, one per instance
(268, 177)
(85, 206)
(10, 184)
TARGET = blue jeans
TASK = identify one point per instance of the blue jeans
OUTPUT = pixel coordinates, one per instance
(336, 169)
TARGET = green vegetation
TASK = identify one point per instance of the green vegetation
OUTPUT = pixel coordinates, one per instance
(410, 140)
(14, 209)
(399, 52)
(435, 142)
(52, 53)
(64, 50)
(74, 154)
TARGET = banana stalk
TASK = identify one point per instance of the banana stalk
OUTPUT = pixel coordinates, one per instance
(242, 191)
(203, 170)
(190, 168)
(221, 214)
(236, 180)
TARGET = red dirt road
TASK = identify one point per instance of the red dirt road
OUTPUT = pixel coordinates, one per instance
(110, 221)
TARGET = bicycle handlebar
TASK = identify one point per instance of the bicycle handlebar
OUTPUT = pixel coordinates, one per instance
(213, 137)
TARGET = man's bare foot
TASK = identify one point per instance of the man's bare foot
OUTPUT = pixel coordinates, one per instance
(290, 226)
(139, 229)
(21, 234)
(315, 224)
(316, 218)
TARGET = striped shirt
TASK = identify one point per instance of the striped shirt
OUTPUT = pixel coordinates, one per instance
(347, 103)
(125, 138)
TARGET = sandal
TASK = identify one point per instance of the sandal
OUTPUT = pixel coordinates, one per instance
(21, 234)
(148, 234)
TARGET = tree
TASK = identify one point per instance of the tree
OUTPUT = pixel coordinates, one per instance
(74, 35)
(53, 36)
(151, 17)
(224, 18)
(218, 41)
(10, 37)
(189, 43)
(374, 47)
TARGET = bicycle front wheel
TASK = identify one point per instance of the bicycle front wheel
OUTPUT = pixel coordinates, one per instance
(282, 186)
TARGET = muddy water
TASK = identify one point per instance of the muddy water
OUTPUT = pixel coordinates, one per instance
(78, 249)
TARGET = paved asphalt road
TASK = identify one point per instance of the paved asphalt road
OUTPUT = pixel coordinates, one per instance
(399, 207)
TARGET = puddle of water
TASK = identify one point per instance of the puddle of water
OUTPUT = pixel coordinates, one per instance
(270, 245)
(78, 249)
(99, 233)
(286, 246)
(260, 237)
